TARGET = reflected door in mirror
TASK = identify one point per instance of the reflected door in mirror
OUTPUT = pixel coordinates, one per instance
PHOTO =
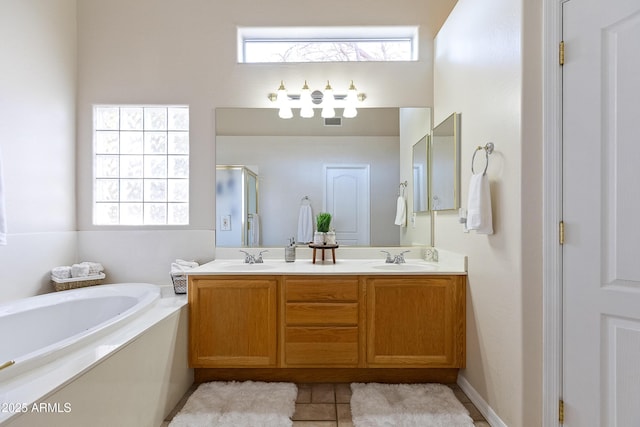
(347, 200)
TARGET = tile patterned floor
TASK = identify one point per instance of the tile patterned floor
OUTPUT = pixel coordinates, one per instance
(328, 405)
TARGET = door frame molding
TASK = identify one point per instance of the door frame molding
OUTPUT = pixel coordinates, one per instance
(552, 286)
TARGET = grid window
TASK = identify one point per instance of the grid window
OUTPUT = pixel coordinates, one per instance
(141, 165)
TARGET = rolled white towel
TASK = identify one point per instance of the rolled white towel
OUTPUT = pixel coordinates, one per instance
(79, 270)
(63, 272)
(95, 268)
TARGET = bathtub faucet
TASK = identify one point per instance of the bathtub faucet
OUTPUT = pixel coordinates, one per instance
(253, 259)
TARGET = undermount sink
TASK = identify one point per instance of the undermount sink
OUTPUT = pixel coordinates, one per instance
(406, 267)
(248, 267)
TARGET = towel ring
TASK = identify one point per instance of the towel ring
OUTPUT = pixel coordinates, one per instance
(488, 149)
(401, 188)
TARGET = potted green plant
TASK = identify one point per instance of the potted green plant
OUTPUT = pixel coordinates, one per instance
(323, 222)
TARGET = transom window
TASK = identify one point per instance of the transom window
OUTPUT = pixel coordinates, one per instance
(141, 165)
(327, 44)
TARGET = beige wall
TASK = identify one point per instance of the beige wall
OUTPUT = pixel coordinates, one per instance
(484, 50)
(37, 141)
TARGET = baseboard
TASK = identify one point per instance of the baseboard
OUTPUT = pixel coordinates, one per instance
(492, 418)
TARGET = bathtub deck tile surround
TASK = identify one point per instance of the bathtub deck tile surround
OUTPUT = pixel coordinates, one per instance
(328, 405)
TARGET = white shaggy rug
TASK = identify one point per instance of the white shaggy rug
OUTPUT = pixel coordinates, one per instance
(406, 405)
(239, 404)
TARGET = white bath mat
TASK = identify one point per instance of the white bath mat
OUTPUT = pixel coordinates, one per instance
(239, 404)
(407, 405)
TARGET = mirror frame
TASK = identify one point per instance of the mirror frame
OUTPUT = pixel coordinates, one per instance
(449, 130)
(420, 159)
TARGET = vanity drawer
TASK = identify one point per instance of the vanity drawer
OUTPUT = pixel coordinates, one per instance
(321, 289)
(321, 346)
(321, 313)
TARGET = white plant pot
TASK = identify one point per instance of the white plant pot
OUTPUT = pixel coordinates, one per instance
(330, 238)
(318, 238)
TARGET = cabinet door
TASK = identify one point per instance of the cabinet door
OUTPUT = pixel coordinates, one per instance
(416, 322)
(233, 322)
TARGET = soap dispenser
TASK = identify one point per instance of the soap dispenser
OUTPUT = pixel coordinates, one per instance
(290, 251)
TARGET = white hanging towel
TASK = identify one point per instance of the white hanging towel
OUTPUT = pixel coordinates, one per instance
(479, 205)
(254, 231)
(3, 212)
(401, 212)
(305, 224)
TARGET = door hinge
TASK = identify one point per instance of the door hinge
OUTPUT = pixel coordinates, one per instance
(561, 411)
(561, 53)
(561, 232)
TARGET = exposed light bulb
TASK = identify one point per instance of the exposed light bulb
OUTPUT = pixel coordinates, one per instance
(327, 102)
(306, 103)
(285, 113)
(281, 94)
(351, 100)
(349, 112)
(283, 101)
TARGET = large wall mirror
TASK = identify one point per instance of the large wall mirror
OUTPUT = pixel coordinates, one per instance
(445, 164)
(289, 158)
(420, 161)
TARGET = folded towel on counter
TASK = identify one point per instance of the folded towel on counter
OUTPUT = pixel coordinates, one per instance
(63, 272)
(95, 268)
(305, 224)
(187, 264)
(180, 266)
(79, 270)
(401, 212)
(479, 216)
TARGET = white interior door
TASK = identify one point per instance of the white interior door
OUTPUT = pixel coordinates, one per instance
(601, 210)
(346, 198)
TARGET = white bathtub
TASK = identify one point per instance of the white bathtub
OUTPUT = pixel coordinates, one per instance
(37, 329)
(56, 347)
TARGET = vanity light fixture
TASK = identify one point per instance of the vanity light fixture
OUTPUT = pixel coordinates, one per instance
(327, 102)
(352, 99)
(307, 100)
(283, 102)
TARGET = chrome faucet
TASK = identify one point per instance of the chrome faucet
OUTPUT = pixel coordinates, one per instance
(389, 260)
(253, 259)
(396, 259)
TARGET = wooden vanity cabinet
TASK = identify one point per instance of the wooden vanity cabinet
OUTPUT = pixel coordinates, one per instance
(233, 321)
(321, 318)
(363, 327)
(416, 322)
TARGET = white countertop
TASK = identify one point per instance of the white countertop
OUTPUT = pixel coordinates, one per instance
(232, 262)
